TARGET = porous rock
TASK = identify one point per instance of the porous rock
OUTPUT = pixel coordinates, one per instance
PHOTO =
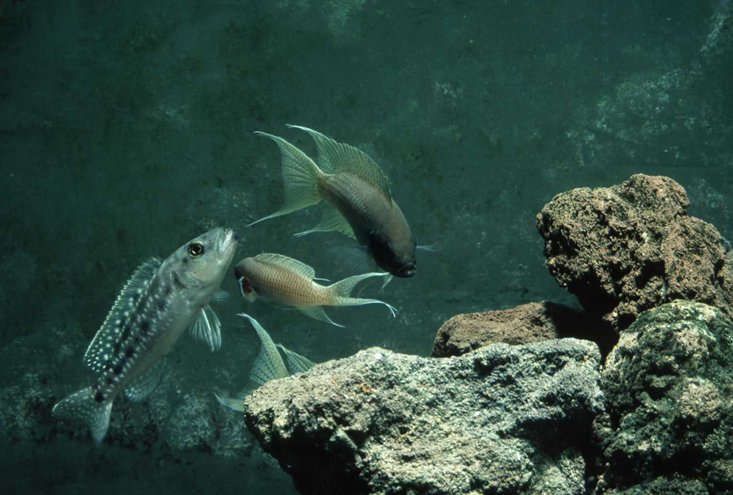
(503, 419)
(526, 323)
(628, 248)
(669, 424)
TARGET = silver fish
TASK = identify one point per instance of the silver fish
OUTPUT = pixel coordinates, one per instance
(288, 282)
(269, 365)
(359, 192)
(158, 303)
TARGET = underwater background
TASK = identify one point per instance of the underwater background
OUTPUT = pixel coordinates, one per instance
(126, 129)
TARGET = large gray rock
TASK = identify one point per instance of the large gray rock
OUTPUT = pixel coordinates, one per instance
(669, 424)
(501, 419)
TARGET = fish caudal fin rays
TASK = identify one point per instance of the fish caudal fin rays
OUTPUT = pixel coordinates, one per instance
(142, 386)
(81, 405)
(294, 361)
(99, 351)
(342, 292)
(268, 365)
(337, 157)
(233, 403)
(300, 179)
(207, 328)
(331, 221)
(318, 313)
(287, 262)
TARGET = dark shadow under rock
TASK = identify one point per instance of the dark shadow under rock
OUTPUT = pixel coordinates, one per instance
(628, 248)
(531, 322)
(503, 419)
(669, 423)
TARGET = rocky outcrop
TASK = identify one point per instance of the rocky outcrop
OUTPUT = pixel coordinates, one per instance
(531, 322)
(669, 424)
(627, 248)
(501, 419)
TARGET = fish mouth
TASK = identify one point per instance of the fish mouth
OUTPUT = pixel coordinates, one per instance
(406, 271)
(228, 240)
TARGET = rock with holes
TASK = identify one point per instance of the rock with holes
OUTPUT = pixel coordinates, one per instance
(669, 424)
(502, 419)
(624, 249)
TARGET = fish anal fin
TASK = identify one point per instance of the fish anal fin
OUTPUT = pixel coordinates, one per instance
(142, 386)
(318, 313)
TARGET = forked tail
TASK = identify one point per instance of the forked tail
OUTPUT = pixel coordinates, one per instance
(82, 405)
(300, 179)
(342, 292)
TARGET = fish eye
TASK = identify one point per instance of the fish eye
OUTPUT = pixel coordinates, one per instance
(196, 249)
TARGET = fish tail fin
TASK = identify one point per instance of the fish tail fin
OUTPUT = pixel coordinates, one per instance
(235, 404)
(341, 292)
(81, 405)
(301, 178)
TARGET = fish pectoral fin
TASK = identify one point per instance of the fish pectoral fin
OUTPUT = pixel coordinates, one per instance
(318, 313)
(268, 365)
(331, 221)
(207, 328)
(357, 257)
(142, 386)
(220, 296)
(109, 333)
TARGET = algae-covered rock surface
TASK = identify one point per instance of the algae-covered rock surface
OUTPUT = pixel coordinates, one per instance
(668, 386)
(627, 248)
(501, 419)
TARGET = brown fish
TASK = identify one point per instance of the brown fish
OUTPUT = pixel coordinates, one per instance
(359, 192)
(288, 282)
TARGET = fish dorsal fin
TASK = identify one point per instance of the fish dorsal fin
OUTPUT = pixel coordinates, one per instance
(110, 331)
(142, 386)
(268, 365)
(207, 328)
(331, 221)
(335, 157)
(286, 262)
(294, 361)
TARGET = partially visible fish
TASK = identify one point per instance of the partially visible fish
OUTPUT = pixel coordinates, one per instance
(158, 303)
(359, 192)
(269, 365)
(288, 282)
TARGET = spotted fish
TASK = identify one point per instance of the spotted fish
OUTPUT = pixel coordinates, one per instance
(269, 365)
(288, 282)
(359, 193)
(159, 302)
